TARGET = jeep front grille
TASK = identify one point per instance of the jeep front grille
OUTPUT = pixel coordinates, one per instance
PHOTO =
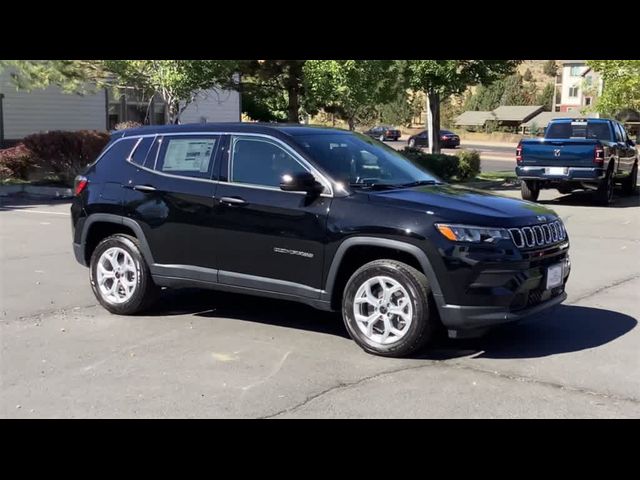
(538, 235)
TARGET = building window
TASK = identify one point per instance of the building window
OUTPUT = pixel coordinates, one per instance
(575, 70)
(573, 92)
(587, 101)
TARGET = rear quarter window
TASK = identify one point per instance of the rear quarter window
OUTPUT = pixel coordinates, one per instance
(117, 150)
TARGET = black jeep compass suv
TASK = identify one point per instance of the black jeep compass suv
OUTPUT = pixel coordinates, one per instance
(317, 215)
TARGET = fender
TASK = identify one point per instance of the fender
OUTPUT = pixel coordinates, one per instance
(382, 242)
(111, 218)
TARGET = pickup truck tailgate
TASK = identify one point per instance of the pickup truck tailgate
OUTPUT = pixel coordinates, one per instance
(577, 152)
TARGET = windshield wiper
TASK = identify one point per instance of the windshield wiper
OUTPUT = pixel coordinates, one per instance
(420, 183)
(374, 186)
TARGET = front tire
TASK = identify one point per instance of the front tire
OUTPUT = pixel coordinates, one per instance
(630, 184)
(120, 277)
(530, 190)
(387, 310)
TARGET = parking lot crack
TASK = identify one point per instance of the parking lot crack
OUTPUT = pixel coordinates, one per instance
(460, 366)
(601, 289)
(341, 386)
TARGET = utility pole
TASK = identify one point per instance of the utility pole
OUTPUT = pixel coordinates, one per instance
(429, 125)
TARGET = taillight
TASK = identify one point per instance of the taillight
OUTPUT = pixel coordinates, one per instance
(519, 154)
(598, 155)
(444, 137)
(79, 184)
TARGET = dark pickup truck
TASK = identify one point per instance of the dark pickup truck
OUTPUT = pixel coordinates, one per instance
(591, 154)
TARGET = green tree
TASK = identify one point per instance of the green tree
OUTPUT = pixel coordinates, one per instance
(176, 82)
(621, 88)
(528, 76)
(352, 89)
(545, 97)
(550, 68)
(443, 78)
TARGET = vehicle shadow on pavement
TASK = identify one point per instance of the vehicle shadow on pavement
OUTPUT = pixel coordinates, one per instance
(587, 199)
(25, 203)
(566, 329)
(208, 303)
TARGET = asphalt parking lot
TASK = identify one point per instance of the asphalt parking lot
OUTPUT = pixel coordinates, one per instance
(208, 354)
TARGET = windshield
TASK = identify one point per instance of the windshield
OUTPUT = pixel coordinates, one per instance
(594, 130)
(358, 160)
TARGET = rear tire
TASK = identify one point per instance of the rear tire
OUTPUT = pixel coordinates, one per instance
(405, 292)
(412, 143)
(630, 184)
(381, 138)
(120, 277)
(529, 190)
(604, 194)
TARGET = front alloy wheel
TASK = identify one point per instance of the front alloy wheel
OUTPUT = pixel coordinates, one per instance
(382, 310)
(387, 308)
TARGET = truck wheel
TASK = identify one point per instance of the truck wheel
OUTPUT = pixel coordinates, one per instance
(630, 184)
(604, 194)
(386, 308)
(120, 277)
(530, 190)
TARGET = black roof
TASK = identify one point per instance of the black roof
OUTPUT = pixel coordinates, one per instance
(292, 129)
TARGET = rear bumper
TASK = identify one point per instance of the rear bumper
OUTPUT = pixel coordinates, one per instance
(573, 174)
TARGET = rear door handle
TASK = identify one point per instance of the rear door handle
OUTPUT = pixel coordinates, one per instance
(144, 188)
(233, 200)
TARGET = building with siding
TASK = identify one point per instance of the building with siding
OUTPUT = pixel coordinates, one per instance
(23, 113)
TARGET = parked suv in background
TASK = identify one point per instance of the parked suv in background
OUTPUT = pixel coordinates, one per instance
(384, 132)
(590, 154)
(448, 139)
(321, 216)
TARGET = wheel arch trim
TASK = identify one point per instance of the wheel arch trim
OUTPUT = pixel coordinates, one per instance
(118, 220)
(409, 248)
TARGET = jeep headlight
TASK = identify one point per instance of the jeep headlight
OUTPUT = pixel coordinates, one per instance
(470, 233)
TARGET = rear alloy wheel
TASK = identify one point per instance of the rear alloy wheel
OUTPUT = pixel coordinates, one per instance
(120, 277)
(604, 194)
(530, 190)
(386, 308)
(630, 184)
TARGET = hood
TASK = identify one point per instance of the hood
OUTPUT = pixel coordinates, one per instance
(467, 205)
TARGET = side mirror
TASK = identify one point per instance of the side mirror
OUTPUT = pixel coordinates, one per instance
(301, 182)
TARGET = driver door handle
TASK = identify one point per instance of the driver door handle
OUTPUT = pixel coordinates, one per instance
(233, 201)
(144, 188)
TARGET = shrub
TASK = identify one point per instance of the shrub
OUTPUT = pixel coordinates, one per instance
(444, 166)
(127, 124)
(16, 162)
(66, 154)
(469, 165)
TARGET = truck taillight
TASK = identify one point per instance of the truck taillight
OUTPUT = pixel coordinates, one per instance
(79, 184)
(598, 155)
(519, 154)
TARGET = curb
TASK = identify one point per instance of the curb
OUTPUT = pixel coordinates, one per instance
(26, 190)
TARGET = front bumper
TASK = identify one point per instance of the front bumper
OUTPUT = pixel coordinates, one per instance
(572, 174)
(487, 291)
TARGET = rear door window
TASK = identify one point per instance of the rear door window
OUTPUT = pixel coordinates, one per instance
(187, 156)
